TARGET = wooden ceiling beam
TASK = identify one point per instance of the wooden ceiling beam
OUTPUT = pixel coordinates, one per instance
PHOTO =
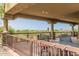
(50, 20)
(35, 17)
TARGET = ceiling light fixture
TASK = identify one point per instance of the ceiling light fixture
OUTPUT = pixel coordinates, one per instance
(45, 12)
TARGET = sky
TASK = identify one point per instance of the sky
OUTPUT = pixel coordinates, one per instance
(32, 24)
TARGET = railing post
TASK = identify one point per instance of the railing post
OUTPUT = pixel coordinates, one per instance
(31, 48)
(4, 39)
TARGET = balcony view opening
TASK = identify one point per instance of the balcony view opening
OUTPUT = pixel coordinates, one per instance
(39, 29)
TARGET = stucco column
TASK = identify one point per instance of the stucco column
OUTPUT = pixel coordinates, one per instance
(73, 30)
(5, 31)
(78, 31)
(52, 31)
(5, 27)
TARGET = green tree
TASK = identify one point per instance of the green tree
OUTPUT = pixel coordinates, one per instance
(1, 29)
(11, 30)
(18, 31)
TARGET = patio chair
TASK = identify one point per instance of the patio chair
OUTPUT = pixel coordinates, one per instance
(43, 37)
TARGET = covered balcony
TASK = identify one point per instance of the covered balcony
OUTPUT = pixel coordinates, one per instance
(53, 13)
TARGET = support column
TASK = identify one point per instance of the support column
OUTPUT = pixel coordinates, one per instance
(52, 32)
(5, 27)
(73, 30)
(78, 31)
(5, 31)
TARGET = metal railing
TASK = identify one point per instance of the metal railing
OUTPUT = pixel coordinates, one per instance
(34, 47)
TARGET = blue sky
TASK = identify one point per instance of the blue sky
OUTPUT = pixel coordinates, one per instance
(21, 23)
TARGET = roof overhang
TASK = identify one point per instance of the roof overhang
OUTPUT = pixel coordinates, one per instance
(63, 12)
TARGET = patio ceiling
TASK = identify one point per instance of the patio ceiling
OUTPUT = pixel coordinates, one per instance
(46, 11)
